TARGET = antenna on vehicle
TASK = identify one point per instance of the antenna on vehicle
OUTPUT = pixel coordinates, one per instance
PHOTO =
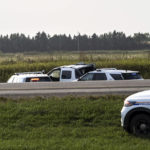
(36, 72)
(80, 63)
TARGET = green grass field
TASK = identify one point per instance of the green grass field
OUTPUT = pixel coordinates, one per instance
(69, 123)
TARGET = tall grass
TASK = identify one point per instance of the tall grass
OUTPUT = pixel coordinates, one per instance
(75, 123)
(11, 63)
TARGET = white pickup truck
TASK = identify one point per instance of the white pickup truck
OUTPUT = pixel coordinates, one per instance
(70, 73)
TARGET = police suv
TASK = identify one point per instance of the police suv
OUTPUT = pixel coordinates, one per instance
(135, 114)
(29, 77)
(111, 74)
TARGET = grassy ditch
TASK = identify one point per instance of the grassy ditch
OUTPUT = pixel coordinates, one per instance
(69, 123)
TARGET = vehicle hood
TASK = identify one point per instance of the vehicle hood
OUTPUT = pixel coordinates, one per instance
(140, 96)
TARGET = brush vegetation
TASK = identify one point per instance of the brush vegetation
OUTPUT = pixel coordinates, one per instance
(135, 60)
(69, 123)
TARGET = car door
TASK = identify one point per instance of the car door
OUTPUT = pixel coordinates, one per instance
(87, 77)
(67, 75)
(99, 76)
(55, 74)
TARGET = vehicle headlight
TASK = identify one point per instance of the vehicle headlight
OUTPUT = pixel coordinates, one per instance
(129, 103)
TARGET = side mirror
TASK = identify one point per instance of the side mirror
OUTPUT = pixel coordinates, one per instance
(43, 71)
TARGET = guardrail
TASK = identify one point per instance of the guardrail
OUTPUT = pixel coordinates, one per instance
(124, 87)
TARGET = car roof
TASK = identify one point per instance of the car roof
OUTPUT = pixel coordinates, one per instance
(30, 75)
(112, 70)
(77, 66)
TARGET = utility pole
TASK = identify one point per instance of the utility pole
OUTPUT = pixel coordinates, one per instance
(78, 42)
(60, 42)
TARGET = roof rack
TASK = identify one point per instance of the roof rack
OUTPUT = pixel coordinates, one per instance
(80, 63)
(101, 69)
(108, 69)
(36, 72)
(86, 65)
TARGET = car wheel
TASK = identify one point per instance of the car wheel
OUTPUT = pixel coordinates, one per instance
(140, 125)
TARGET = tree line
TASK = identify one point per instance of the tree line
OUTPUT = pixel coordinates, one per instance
(43, 42)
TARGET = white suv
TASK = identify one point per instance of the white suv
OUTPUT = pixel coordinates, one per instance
(111, 74)
(29, 77)
(135, 114)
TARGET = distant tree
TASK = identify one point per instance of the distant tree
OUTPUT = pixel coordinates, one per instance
(95, 42)
(142, 40)
(43, 42)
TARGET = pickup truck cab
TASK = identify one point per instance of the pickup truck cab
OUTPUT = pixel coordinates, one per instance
(70, 73)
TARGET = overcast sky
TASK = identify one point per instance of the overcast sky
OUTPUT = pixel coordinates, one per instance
(73, 16)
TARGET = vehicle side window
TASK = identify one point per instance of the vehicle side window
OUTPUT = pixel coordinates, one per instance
(86, 69)
(44, 79)
(116, 76)
(88, 76)
(77, 74)
(27, 79)
(66, 74)
(83, 71)
(38, 79)
(128, 76)
(100, 76)
(55, 75)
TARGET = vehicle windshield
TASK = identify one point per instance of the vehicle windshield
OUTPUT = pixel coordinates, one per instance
(129, 76)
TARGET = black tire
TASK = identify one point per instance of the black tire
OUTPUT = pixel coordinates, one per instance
(140, 125)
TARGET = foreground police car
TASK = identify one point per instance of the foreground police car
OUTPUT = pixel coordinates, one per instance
(29, 77)
(135, 114)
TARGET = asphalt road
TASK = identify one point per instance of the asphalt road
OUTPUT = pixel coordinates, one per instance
(49, 89)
